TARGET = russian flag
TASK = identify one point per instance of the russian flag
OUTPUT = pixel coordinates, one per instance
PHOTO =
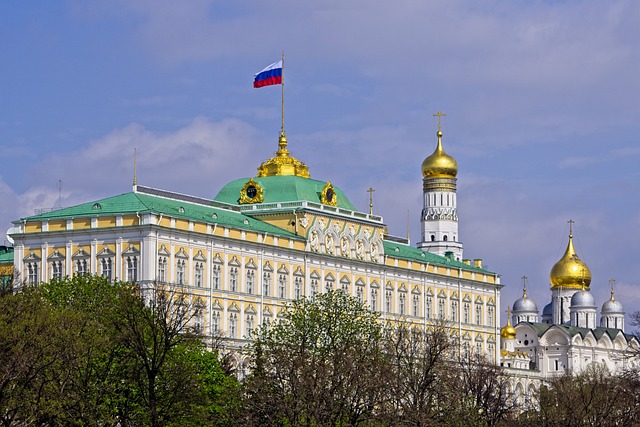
(272, 75)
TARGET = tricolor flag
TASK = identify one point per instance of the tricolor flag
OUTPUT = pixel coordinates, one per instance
(272, 75)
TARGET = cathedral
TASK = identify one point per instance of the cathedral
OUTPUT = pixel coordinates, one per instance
(567, 338)
(266, 240)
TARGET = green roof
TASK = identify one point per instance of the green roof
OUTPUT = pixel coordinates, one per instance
(399, 250)
(541, 328)
(137, 202)
(6, 257)
(287, 188)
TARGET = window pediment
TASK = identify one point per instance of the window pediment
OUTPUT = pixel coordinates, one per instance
(200, 257)
(80, 254)
(182, 254)
(55, 255)
(31, 257)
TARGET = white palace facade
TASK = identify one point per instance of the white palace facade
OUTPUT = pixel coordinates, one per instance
(263, 241)
(266, 240)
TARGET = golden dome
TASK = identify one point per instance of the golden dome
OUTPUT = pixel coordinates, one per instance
(439, 164)
(570, 271)
(508, 332)
(283, 163)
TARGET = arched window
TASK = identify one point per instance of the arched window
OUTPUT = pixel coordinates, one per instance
(266, 283)
(374, 299)
(180, 272)
(233, 279)
(198, 274)
(282, 283)
(402, 301)
(251, 275)
(433, 238)
(162, 269)
(215, 277)
(445, 238)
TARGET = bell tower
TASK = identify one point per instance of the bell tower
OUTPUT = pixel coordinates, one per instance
(439, 221)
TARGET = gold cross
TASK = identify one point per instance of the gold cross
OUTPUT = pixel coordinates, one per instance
(370, 191)
(524, 285)
(439, 115)
(571, 222)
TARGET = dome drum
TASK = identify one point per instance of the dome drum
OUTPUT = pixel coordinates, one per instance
(439, 184)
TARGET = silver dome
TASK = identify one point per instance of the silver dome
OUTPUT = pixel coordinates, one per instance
(583, 299)
(525, 304)
(612, 307)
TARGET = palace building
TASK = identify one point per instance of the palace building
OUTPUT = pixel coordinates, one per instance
(265, 240)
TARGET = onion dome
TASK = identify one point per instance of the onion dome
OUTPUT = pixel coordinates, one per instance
(570, 271)
(524, 303)
(508, 332)
(439, 164)
(612, 306)
(283, 163)
(582, 299)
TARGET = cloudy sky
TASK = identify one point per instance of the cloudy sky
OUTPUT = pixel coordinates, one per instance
(542, 101)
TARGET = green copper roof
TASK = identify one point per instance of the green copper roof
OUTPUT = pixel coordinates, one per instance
(283, 189)
(136, 202)
(6, 257)
(399, 250)
(541, 328)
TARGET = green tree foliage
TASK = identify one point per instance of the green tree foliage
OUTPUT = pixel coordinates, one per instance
(82, 351)
(322, 364)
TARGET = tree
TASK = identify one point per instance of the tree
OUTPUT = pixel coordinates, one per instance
(594, 397)
(160, 385)
(479, 394)
(321, 365)
(420, 369)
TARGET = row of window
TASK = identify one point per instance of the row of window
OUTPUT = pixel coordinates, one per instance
(280, 291)
(81, 266)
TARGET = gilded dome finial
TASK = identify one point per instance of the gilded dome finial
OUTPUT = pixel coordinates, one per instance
(570, 271)
(524, 286)
(283, 163)
(612, 283)
(439, 164)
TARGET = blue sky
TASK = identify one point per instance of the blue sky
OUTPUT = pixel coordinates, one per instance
(542, 101)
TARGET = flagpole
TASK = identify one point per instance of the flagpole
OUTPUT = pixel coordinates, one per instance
(282, 128)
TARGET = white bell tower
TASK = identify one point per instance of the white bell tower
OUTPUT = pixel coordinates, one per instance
(439, 221)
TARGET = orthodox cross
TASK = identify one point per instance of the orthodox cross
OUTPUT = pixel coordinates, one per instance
(571, 222)
(370, 191)
(439, 115)
(524, 286)
(612, 283)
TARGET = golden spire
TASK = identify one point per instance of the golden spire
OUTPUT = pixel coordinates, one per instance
(612, 283)
(570, 271)
(439, 164)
